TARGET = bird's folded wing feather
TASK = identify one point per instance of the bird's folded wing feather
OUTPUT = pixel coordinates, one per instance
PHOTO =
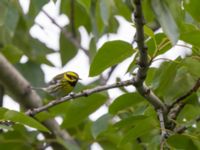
(56, 79)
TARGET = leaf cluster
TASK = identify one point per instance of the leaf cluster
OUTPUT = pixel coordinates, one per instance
(128, 121)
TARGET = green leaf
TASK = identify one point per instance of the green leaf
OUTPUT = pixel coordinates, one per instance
(193, 66)
(111, 53)
(22, 29)
(4, 10)
(85, 4)
(150, 75)
(60, 109)
(42, 116)
(172, 80)
(100, 125)
(112, 26)
(67, 49)
(148, 31)
(133, 65)
(34, 10)
(191, 36)
(148, 12)
(107, 145)
(12, 53)
(110, 144)
(31, 47)
(11, 19)
(92, 48)
(130, 121)
(182, 83)
(166, 20)
(19, 117)
(181, 142)
(122, 9)
(164, 77)
(78, 110)
(158, 44)
(19, 138)
(8, 20)
(103, 17)
(125, 101)
(105, 11)
(189, 112)
(68, 145)
(96, 23)
(142, 127)
(110, 139)
(39, 51)
(81, 7)
(14, 144)
(38, 4)
(32, 72)
(192, 6)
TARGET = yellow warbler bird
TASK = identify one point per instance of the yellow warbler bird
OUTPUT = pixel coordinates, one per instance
(62, 84)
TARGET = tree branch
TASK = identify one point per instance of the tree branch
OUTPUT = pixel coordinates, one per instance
(34, 111)
(183, 128)
(162, 123)
(164, 133)
(143, 61)
(88, 92)
(67, 35)
(194, 89)
(143, 64)
(176, 107)
(19, 89)
(104, 80)
(138, 81)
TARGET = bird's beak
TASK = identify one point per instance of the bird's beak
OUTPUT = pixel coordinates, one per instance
(79, 79)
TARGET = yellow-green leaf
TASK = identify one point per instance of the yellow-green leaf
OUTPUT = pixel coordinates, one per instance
(111, 53)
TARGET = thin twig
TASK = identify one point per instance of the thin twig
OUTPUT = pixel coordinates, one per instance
(2, 92)
(72, 17)
(34, 111)
(68, 35)
(162, 123)
(104, 80)
(183, 128)
(164, 133)
(176, 107)
(93, 7)
(174, 112)
(110, 72)
(194, 89)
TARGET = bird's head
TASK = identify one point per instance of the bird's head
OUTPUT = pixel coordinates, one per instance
(71, 76)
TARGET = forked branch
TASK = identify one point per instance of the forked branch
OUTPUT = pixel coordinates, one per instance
(143, 62)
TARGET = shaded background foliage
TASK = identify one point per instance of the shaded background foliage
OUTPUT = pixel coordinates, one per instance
(131, 122)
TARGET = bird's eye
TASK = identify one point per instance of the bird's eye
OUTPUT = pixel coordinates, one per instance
(74, 78)
(70, 77)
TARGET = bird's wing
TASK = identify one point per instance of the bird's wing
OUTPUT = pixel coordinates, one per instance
(56, 79)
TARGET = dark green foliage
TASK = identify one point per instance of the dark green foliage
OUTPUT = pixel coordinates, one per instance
(129, 121)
